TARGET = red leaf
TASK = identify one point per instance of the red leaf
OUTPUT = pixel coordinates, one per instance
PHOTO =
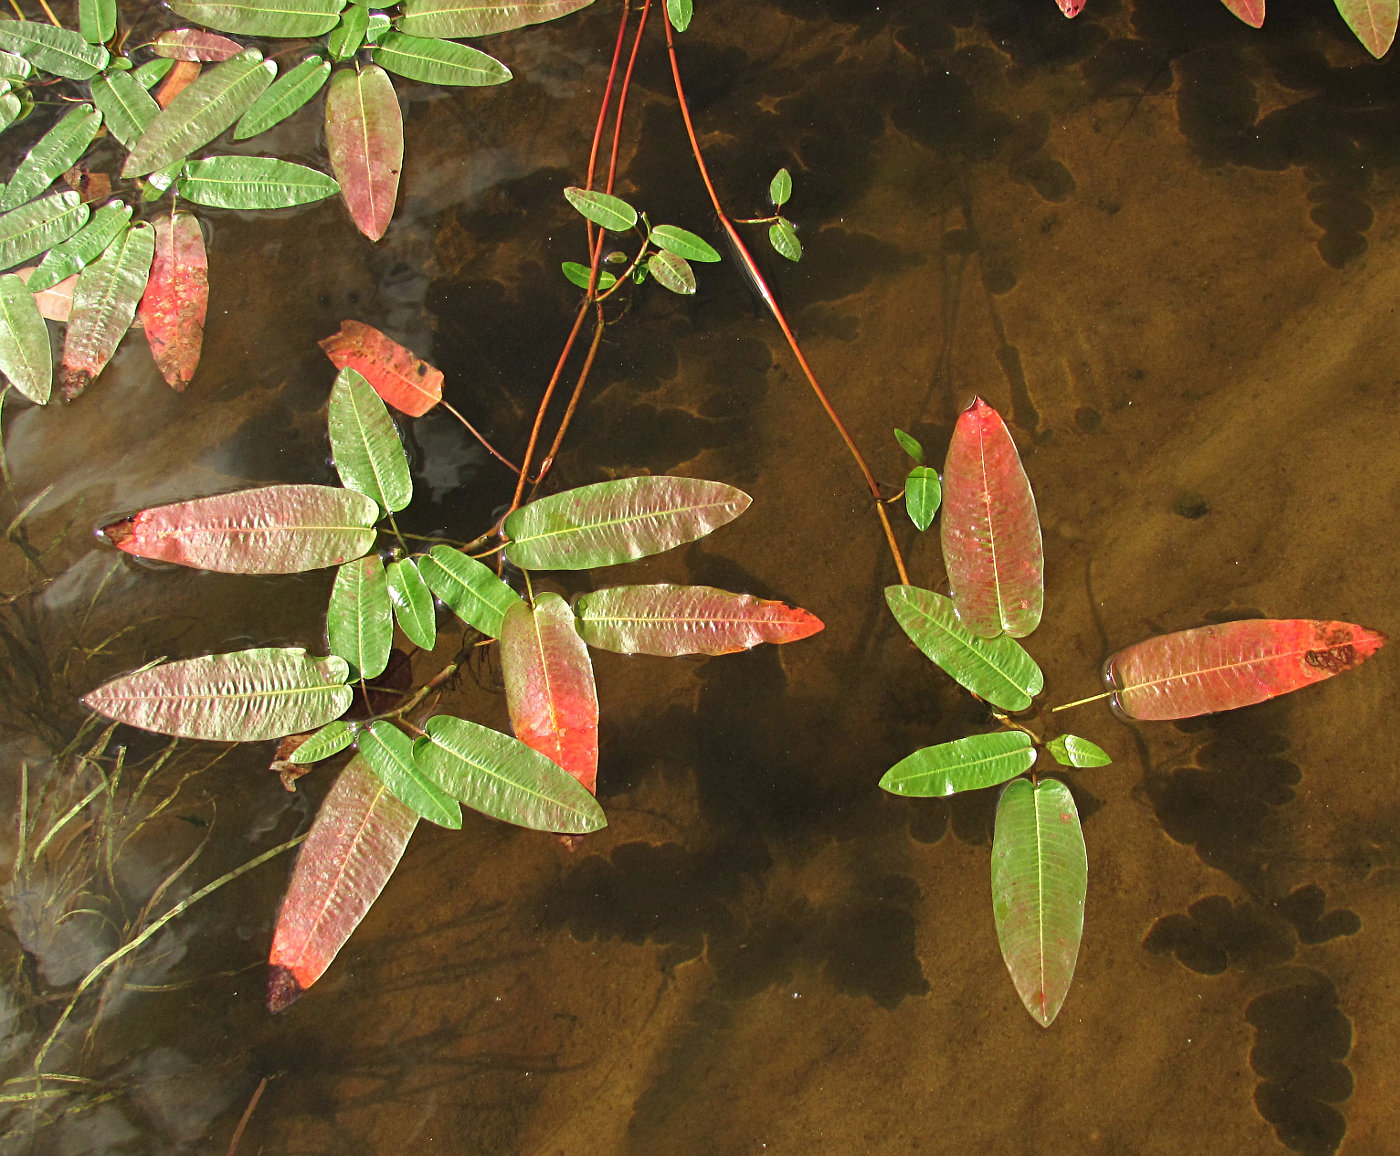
(176, 298)
(1071, 7)
(991, 536)
(549, 685)
(352, 848)
(1373, 21)
(1250, 11)
(402, 380)
(191, 44)
(364, 135)
(1213, 668)
(176, 81)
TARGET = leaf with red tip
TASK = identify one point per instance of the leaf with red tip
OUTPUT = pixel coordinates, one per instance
(549, 685)
(352, 848)
(104, 305)
(177, 297)
(1373, 21)
(192, 44)
(670, 620)
(1214, 668)
(1250, 11)
(1071, 7)
(991, 536)
(364, 135)
(406, 382)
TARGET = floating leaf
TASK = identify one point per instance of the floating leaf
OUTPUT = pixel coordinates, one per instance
(611, 522)
(126, 107)
(683, 244)
(353, 846)
(780, 188)
(1373, 21)
(55, 152)
(1071, 8)
(991, 536)
(364, 135)
(72, 256)
(14, 67)
(469, 589)
(406, 382)
(502, 777)
(413, 603)
(55, 304)
(451, 18)
(602, 209)
(347, 36)
(330, 740)
(104, 304)
(997, 669)
(159, 181)
(177, 298)
(289, 18)
(29, 230)
(238, 182)
(183, 73)
(378, 25)
(679, 13)
(389, 753)
(671, 620)
(192, 44)
(152, 72)
(438, 61)
(580, 275)
(26, 358)
(1040, 877)
(672, 272)
(244, 696)
(962, 765)
(10, 106)
(201, 112)
(1250, 11)
(922, 495)
(910, 445)
(97, 20)
(269, 530)
(57, 50)
(284, 96)
(782, 235)
(358, 620)
(1072, 751)
(368, 454)
(1214, 668)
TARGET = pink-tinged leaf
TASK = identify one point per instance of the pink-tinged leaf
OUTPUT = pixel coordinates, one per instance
(1214, 668)
(104, 305)
(191, 44)
(549, 685)
(364, 135)
(56, 302)
(177, 297)
(671, 620)
(352, 848)
(179, 78)
(1250, 11)
(1071, 7)
(406, 382)
(991, 536)
(270, 530)
(1373, 21)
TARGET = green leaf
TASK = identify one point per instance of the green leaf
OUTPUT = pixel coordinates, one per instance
(14, 67)
(330, 740)
(679, 13)
(450, 18)
(26, 358)
(579, 275)
(1373, 21)
(10, 107)
(57, 50)
(910, 445)
(290, 18)
(672, 272)
(237, 182)
(378, 25)
(29, 230)
(617, 521)
(782, 235)
(127, 108)
(368, 454)
(413, 603)
(1072, 751)
(152, 73)
(159, 181)
(780, 188)
(347, 36)
(284, 96)
(470, 590)
(500, 776)
(997, 669)
(1040, 877)
(602, 209)
(922, 495)
(244, 696)
(685, 244)
(104, 304)
(55, 152)
(201, 112)
(97, 20)
(963, 765)
(88, 243)
(359, 621)
(389, 753)
(438, 61)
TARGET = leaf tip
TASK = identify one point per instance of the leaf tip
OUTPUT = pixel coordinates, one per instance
(118, 533)
(283, 990)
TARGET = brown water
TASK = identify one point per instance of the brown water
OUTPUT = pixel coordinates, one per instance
(1166, 246)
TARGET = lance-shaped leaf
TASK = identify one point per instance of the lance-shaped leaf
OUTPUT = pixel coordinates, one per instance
(672, 620)
(923, 494)
(284, 96)
(201, 112)
(330, 740)
(353, 846)
(962, 765)
(680, 13)
(683, 243)
(244, 696)
(364, 135)
(438, 61)
(29, 230)
(26, 359)
(1213, 668)
(550, 693)
(237, 182)
(502, 777)
(468, 588)
(151, 73)
(192, 44)
(358, 620)
(1250, 11)
(368, 454)
(1040, 877)
(53, 153)
(602, 209)
(104, 304)
(1373, 21)
(127, 108)
(452, 18)
(89, 242)
(413, 603)
(672, 272)
(389, 753)
(289, 18)
(176, 300)
(97, 20)
(347, 36)
(406, 382)
(997, 669)
(1072, 751)
(269, 530)
(57, 50)
(611, 522)
(991, 536)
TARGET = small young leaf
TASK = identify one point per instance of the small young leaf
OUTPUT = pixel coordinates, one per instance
(26, 358)
(672, 272)
(453, 18)
(57, 50)
(191, 44)
(685, 244)
(55, 152)
(29, 230)
(152, 73)
(406, 382)
(73, 255)
(347, 36)
(413, 603)
(922, 495)
(330, 740)
(97, 20)
(159, 181)
(437, 61)
(127, 108)
(962, 765)
(389, 752)
(1072, 751)
(364, 136)
(368, 454)
(469, 589)
(359, 621)
(378, 25)
(602, 209)
(104, 304)
(671, 620)
(911, 446)
(679, 13)
(284, 96)
(292, 19)
(782, 235)
(579, 275)
(239, 182)
(780, 188)
(176, 300)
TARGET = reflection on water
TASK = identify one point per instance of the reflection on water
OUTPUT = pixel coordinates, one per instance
(1162, 243)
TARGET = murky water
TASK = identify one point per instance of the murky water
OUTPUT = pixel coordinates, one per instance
(1166, 246)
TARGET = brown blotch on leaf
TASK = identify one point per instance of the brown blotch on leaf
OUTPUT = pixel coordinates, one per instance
(282, 989)
(288, 771)
(119, 531)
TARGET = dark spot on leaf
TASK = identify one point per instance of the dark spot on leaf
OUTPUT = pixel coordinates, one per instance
(282, 989)
(1334, 661)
